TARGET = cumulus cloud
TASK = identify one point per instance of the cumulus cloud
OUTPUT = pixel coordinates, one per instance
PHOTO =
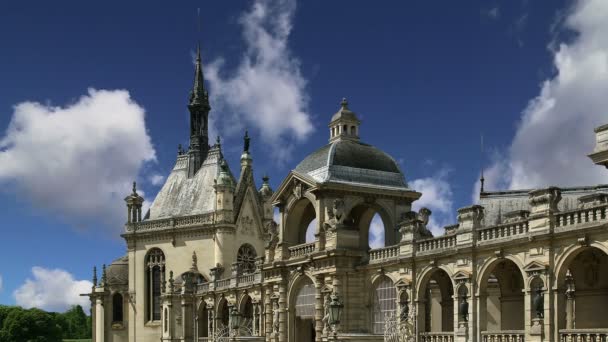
(156, 179)
(376, 232)
(555, 132)
(437, 196)
(267, 90)
(78, 160)
(52, 290)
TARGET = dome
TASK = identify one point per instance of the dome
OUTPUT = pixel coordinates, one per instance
(351, 161)
(118, 271)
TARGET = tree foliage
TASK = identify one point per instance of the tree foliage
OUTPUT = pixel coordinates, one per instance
(34, 325)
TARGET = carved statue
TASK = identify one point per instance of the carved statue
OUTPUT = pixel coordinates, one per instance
(423, 216)
(275, 317)
(273, 234)
(463, 309)
(336, 214)
(326, 327)
(539, 303)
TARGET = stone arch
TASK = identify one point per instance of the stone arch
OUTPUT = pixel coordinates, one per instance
(435, 298)
(582, 287)
(222, 313)
(300, 308)
(571, 252)
(202, 319)
(300, 213)
(501, 303)
(154, 268)
(361, 213)
(246, 309)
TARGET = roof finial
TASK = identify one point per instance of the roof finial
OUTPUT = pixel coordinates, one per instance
(194, 261)
(265, 178)
(481, 179)
(134, 188)
(103, 276)
(344, 103)
(94, 276)
(246, 141)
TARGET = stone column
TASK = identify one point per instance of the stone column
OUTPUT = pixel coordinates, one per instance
(283, 312)
(210, 316)
(268, 313)
(481, 310)
(99, 319)
(318, 309)
(570, 319)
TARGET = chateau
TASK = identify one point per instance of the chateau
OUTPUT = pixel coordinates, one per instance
(209, 261)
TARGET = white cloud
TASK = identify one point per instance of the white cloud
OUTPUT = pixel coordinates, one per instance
(79, 160)
(492, 13)
(555, 132)
(52, 290)
(156, 179)
(376, 232)
(310, 231)
(267, 90)
(438, 197)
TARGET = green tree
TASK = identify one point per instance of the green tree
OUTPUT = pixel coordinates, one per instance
(74, 323)
(31, 325)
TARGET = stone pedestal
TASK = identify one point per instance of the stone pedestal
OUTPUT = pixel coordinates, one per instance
(462, 334)
(536, 330)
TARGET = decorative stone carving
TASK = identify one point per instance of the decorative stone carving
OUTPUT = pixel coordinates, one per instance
(247, 225)
(336, 214)
(592, 200)
(516, 216)
(470, 217)
(297, 189)
(544, 200)
(273, 234)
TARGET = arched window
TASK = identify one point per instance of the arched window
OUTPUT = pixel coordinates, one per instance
(247, 313)
(155, 269)
(117, 315)
(384, 303)
(246, 256)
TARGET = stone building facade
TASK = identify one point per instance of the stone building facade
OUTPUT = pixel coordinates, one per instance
(208, 262)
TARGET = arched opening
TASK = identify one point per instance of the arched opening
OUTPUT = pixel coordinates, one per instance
(203, 320)
(246, 256)
(302, 311)
(310, 231)
(384, 303)
(502, 297)
(223, 315)
(246, 311)
(374, 226)
(299, 219)
(117, 309)
(583, 290)
(436, 312)
(155, 268)
(377, 236)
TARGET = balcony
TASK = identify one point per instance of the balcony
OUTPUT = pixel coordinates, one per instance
(301, 250)
(503, 336)
(583, 335)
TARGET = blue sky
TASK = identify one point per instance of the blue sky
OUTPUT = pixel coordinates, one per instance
(426, 78)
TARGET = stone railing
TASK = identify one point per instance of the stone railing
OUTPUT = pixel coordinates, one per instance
(246, 279)
(436, 336)
(578, 216)
(436, 243)
(583, 335)
(301, 250)
(502, 231)
(205, 339)
(223, 283)
(178, 222)
(503, 336)
(204, 287)
(381, 254)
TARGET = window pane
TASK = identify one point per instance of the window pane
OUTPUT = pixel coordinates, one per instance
(156, 293)
(384, 303)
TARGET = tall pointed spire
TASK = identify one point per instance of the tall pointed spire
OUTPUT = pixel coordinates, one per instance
(199, 116)
(482, 180)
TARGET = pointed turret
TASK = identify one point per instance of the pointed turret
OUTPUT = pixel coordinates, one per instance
(199, 116)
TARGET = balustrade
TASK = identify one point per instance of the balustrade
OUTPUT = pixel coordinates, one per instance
(502, 231)
(437, 243)
(436, 337)
(301, 250)
(503, 336)
(578, 216)
(583, 335)
(381, 254)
